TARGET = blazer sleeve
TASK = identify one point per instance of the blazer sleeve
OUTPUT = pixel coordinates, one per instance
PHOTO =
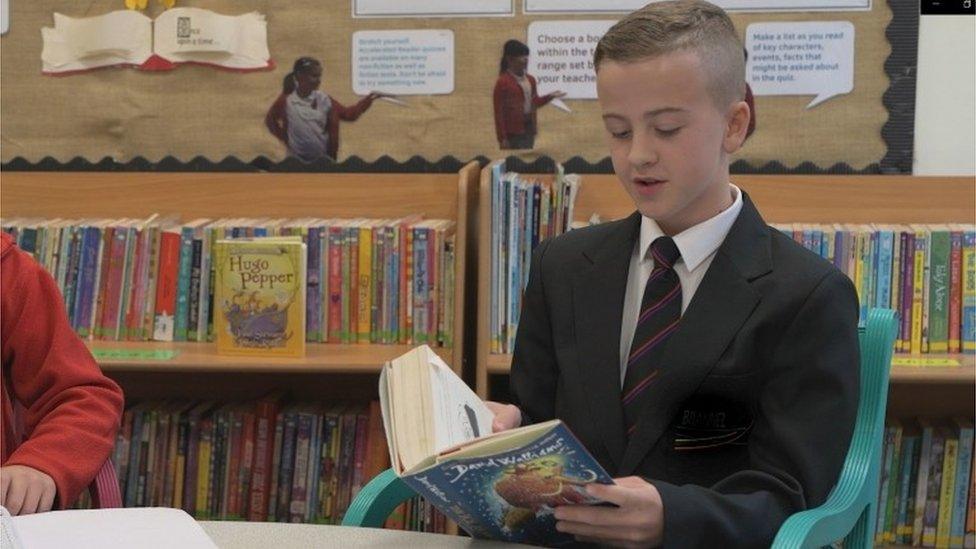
(498, 101)
(72, 411)
(534, 373)
(800, 438)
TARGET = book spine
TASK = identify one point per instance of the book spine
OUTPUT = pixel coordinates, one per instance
(926, 284)
(313, 302)
(420, 281)
(354, 283)
(963, 470)
(204, 462)
(335, 284)
(363, 283)
(955, 291)
(936, 463)
(918, 286)
(287, 466)
(359, 459)
(885, 254)
(263, 446)
(347, 286)
(166, 287)
(272, 483)
(128, 265)
(89, 265)
(299, 486)
(137, 297)
(149, 310)
(947, 493)
(905, 501)
(939, 292)
(908, 294)
(183, 285)
(969, 293)
(193, 303)
(921, 486)
(248, 455)
(894, 483)
(206, 286)
(376, 288)
(969, 541)
(888, 449)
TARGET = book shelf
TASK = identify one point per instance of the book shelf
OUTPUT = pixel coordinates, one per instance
(914, 391)
(145, 369)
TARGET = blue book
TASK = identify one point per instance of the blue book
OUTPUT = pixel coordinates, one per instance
(501, 486)
(82, 314)
(964, 460)
(886, 243)
(183, 284)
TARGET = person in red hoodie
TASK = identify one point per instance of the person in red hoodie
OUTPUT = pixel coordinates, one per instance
(516, 99)
(68, 412)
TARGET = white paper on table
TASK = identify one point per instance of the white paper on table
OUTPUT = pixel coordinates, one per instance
(143, 527)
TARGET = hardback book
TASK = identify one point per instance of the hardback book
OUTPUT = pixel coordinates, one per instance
(502, 486)
(259, 297)
(176, 36)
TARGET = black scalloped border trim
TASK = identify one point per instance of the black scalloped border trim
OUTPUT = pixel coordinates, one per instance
(898, 134)
(899, 99)
(386, 164)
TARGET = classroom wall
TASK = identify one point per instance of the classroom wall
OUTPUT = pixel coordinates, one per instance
(945, 104)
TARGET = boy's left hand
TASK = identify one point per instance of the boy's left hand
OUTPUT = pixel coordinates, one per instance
(638, 521)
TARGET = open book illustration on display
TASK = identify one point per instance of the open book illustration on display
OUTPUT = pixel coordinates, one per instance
(179, 35)
(495, 486)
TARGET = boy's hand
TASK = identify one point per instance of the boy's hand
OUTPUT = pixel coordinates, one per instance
(507, 416)
(25, 490)
(638, 521)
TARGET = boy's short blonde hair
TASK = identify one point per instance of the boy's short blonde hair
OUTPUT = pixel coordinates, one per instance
(681, 25)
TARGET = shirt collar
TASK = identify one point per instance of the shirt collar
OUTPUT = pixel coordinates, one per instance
(696, 243)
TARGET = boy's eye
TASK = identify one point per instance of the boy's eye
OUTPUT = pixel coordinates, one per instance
(667, 132)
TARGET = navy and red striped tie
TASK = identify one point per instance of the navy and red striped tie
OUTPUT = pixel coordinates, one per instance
(659, 315)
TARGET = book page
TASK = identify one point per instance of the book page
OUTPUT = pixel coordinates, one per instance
(118, 37)
(111, 529)
(459, 415)
(202, 36)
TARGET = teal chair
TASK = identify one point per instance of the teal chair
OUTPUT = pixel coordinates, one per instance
(850, 510)
(852, 507)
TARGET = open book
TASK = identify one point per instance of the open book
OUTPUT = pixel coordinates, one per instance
(179, 35)
(494, 486)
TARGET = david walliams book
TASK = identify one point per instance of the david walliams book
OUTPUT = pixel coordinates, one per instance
(259, 296)
(501, 486)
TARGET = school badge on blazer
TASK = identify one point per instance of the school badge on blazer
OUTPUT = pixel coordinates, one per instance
(706, 422)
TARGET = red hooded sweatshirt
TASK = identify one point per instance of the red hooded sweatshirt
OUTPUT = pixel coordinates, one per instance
(68, 411)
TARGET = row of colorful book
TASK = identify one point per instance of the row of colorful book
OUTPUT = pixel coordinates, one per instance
(927, 487)
(524, 211)
(265, 460)
(927, 273)
(366, 280)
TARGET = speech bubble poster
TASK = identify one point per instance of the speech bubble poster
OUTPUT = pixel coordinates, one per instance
(801, 58)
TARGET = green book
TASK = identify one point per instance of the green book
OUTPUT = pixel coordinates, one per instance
(940, 250)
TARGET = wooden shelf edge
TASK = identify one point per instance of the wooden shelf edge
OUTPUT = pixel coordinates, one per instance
(203, 357)
(964, 374)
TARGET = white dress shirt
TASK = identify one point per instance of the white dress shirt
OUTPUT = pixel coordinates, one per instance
(697, 245)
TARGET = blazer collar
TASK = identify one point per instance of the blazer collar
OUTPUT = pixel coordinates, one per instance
(721, 304)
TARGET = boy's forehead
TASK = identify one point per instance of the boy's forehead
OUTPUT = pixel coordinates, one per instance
(672, 76)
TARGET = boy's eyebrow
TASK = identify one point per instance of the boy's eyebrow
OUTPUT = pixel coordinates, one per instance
(648, 114)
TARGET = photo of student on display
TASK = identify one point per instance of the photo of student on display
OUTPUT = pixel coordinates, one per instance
(516, 99)
(305, 118)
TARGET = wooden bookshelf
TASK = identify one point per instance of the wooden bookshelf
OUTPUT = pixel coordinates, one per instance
(927, 391)
(192, 195)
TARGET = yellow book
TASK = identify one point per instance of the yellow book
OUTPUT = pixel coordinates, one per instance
(947, 493)
(858, 246)
(259, 296)
(364, 284)
(918, 290)
(203, 479)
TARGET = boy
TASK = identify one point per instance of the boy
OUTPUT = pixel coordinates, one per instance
(702, 356)
(71, 411)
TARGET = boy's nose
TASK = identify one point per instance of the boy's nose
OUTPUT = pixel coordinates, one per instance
(642, 152)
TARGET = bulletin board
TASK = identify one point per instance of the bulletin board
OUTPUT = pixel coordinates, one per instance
(200, 114)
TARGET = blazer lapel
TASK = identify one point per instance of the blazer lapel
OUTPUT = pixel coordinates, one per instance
(598, 299)
(722, 303)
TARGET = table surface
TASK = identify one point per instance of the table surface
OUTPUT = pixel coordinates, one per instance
(262, 535)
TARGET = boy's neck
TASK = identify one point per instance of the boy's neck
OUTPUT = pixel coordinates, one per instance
(715, 203)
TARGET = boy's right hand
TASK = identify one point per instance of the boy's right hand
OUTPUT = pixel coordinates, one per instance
(507, 416)
(25, 490)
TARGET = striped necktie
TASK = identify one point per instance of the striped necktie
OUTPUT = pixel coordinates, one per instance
(659, 315)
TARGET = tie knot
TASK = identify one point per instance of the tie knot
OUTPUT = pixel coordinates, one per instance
(665, 251)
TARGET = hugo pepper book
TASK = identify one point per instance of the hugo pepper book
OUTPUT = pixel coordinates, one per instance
(502, 486)
(259, 296)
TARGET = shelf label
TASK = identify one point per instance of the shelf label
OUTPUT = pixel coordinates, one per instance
(134, 354)
(924, 362)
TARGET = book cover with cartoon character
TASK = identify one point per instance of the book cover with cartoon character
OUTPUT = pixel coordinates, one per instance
(260, 296)
(500, 493)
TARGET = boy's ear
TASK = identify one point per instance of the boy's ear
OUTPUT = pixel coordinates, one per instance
(737, 126)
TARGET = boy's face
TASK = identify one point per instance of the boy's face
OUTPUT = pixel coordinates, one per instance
(669, 141)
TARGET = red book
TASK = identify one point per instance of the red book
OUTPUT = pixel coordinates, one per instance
(231, 486)
(335, 284)
(261, 472)
(114, 286)
(955, 291)
(247, 463)
(133, 312)
(166, 284)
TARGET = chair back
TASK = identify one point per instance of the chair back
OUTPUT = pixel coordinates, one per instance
(850, 511)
